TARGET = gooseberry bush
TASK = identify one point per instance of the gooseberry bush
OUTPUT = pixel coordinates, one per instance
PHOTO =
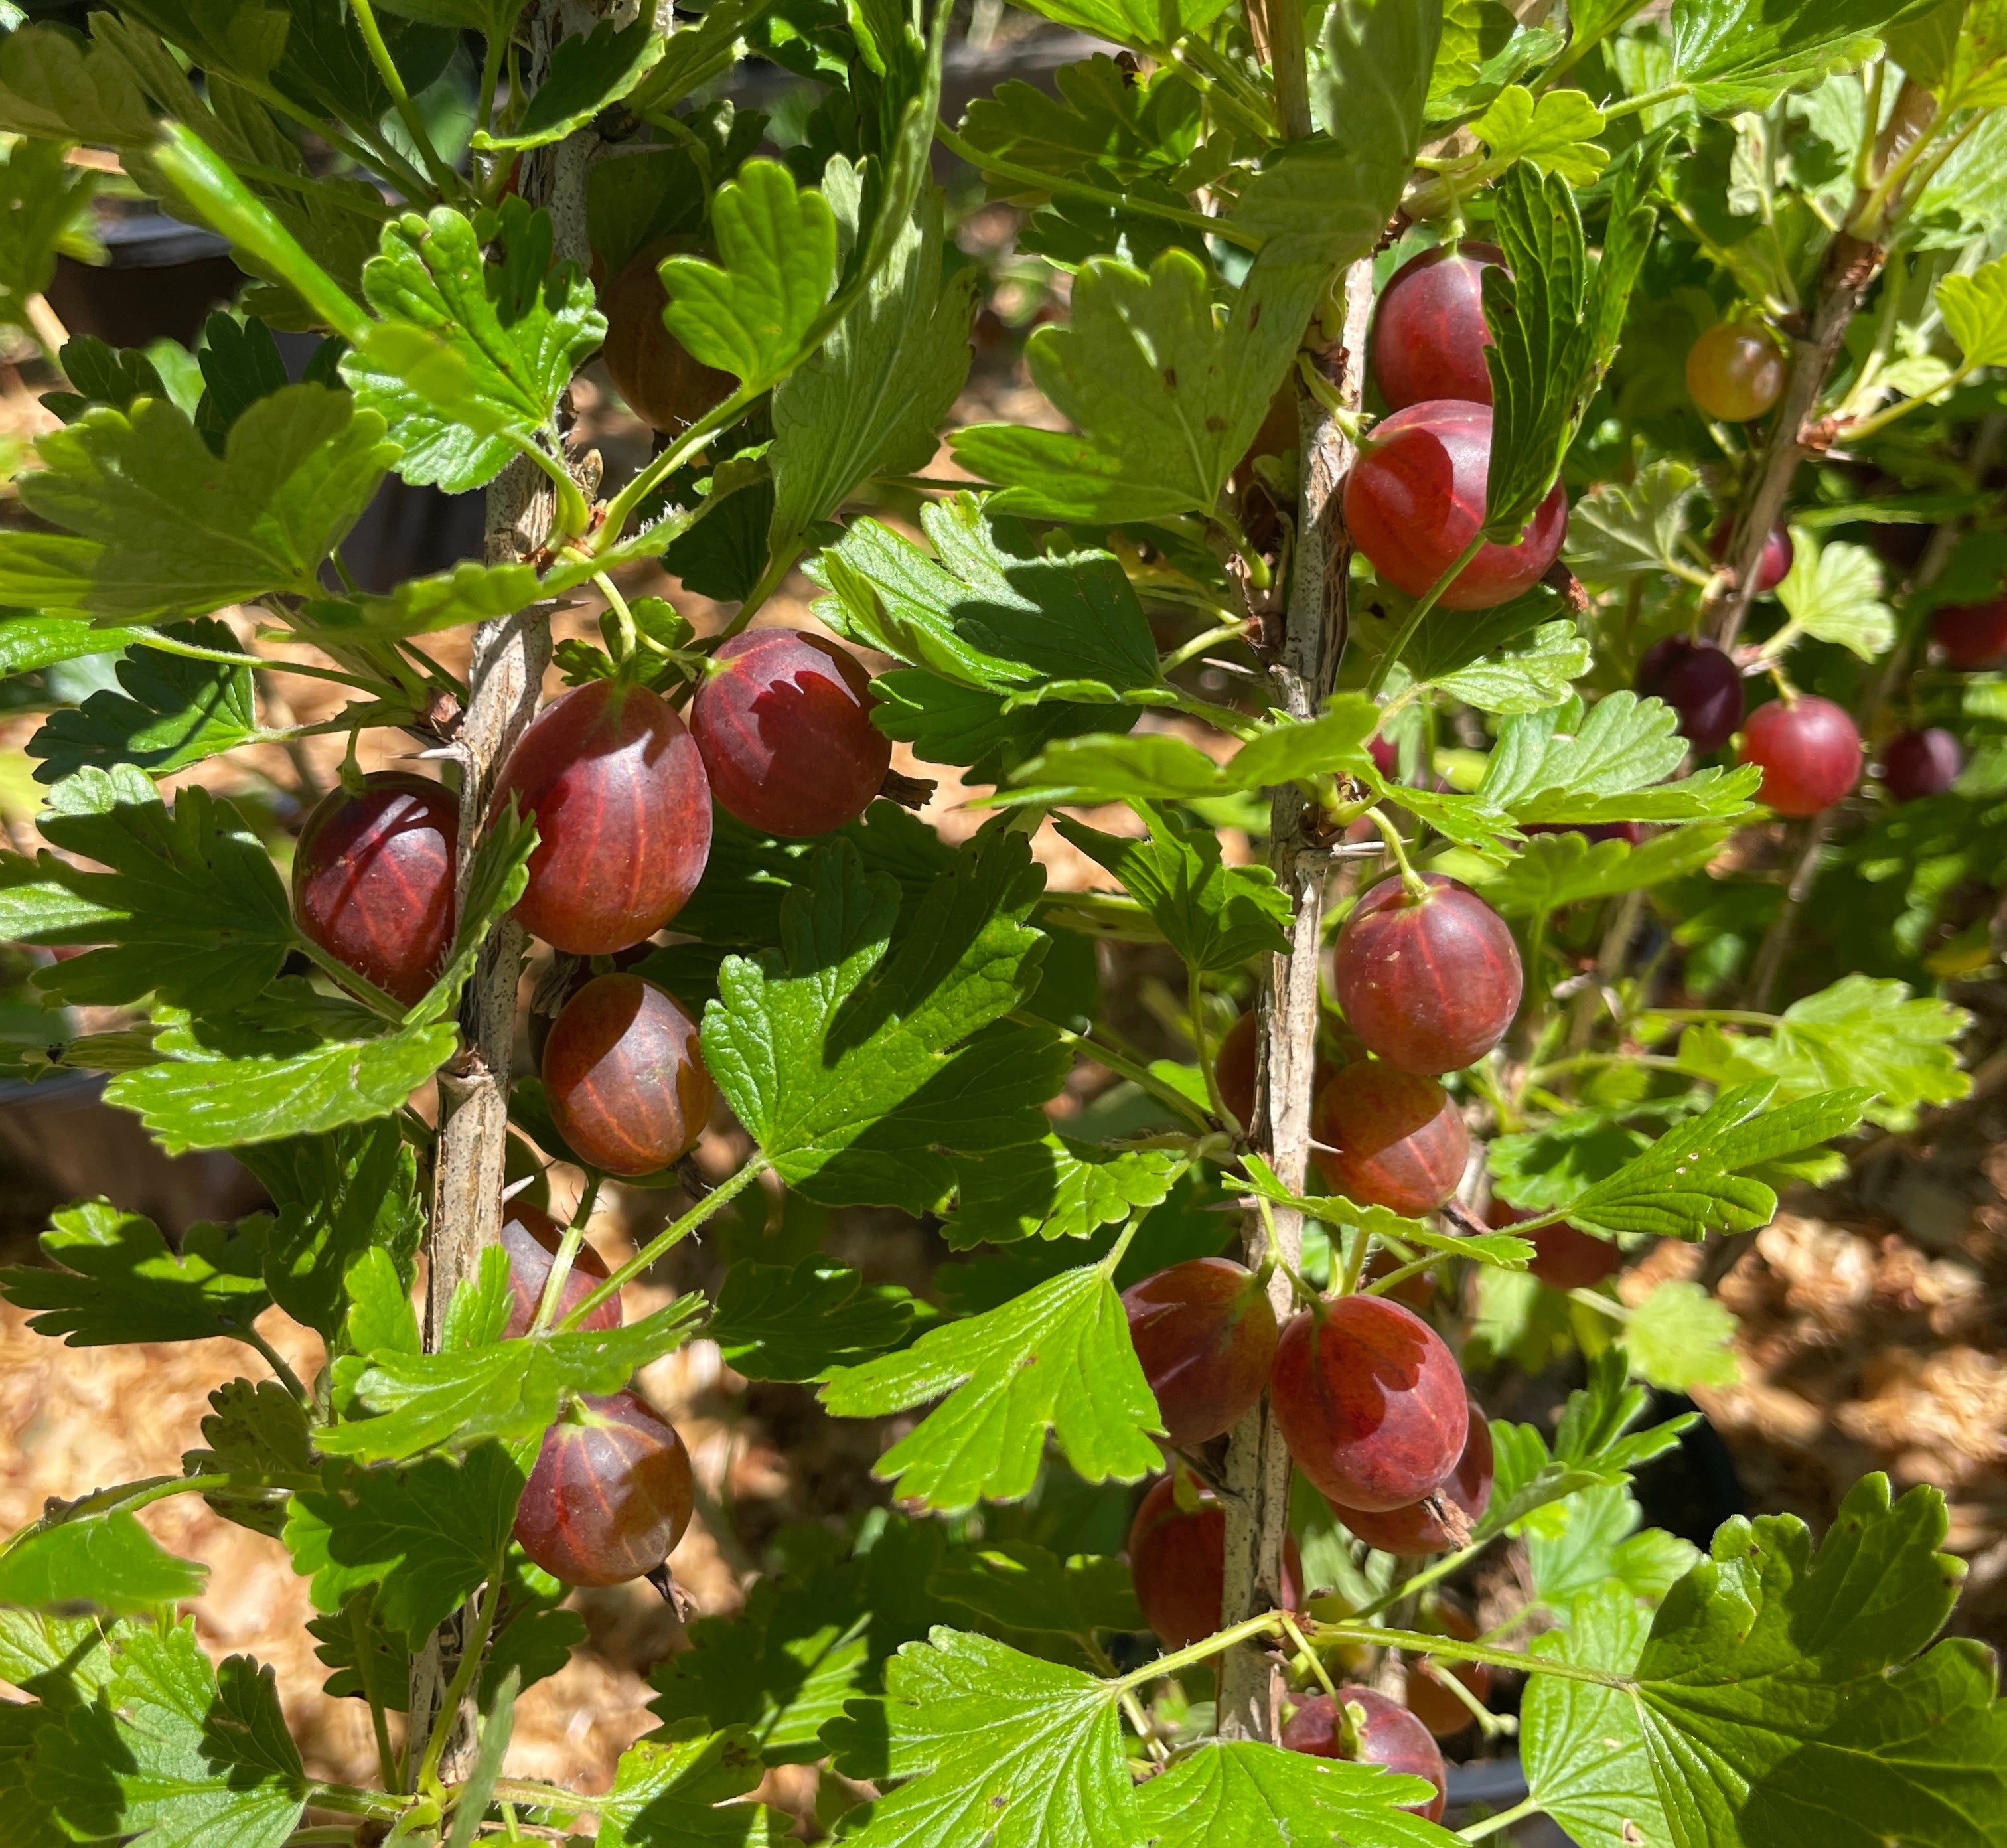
(1433, 586)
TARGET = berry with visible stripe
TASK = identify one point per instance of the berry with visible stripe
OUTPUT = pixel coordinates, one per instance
(1429, 333)
(610, 1495)
(1369, 1402)
(783, 722)
(622, 809)
(1389, 1138)
(1385, 1732)
(1430, 984)
(625, 1075)
(1205, 1337)
(1416, 1531)
(373, 880)
(531, 1236)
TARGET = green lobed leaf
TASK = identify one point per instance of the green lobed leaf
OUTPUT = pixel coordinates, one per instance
(1103, 117)
(989, 608)
(177, 1754)
(843, 1056)
(1057, 1359)
(253, 1432)
(1553, 870)
(1244, 1794)
(996, 1748)
(670, 1791)
(29, 641)
(1552, 133)
(118, 1281)
(422, 1538)
(695, 52)
(1025, 1587)
(750, 314)
(1526, 678)
(466, 362)
(1736, 56)
(588, 72)
(1782, 1691)
(44, 212)
(799, 1322)
(1595, 1536)
(1833, 593)
(1148, 24)
(1215, 917)
(154, 524)
(174, 711)
(1055, 1189)
(106, 1562)
(1679, 1337)
(1166, 395)
(1616, 531)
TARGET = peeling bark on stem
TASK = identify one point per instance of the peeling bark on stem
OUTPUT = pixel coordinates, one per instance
(1257, 1476)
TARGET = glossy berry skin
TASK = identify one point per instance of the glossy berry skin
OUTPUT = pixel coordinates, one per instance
(1972, 635)
(1389, 1138)
(783, 722)
(1371, 1403)
(1205, 1336)
(1699, 681)
(1429, 334)
(1735, 371)
(531, 1238)
(1809, 750)
(1413, 1532)
(1772, 567)
(1388, 1734)
(623, 807)
(1178, 1563)
(610, 1495)
(373, 880)
(1430, 985)
(626, 1078)
(1415, 499)
(1921, 763)
(650, 369)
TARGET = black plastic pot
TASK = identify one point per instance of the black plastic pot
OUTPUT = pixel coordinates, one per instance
(159, 278)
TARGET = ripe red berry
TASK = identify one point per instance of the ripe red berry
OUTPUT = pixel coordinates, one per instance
(373, 880)
(1772, 568)
(610, 1495)
(1429, 1696)
(650, 369)
(530, 1237)
(1920, 764)
(1387, 1734)
(1973, 635)
(1430, 984)
(1389, 1138)
(1178, 1563)
(1699, 681)
(1429, 334)
(783, 721)
(623, 810)
(625, 1075)
(1809, 750)
(1735, 371)
(1414, 1531)
(1415, 499)
(1205, 1336)
(1369, 1402)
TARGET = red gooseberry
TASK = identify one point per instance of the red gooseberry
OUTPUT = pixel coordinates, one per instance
(1921, 763)
(622, 809)
(1972, 635)
(650, 369)
(1382, 1732)
(1735, 371)
(1388, 1138)
(610, 1495)
(783, 722)
(625, 1075)
(1773, 566)
(1415, 499)
(1177, 1557)
(1369, 1402)
(373, 880)
(1430, 984)
(531, 1236)
(1417, 1530)
(1808, 749)
(1429, 333)
(1701, 684)
(1205, 1337)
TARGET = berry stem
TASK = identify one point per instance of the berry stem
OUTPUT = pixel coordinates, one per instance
(720, 1196)
(1195, 1008)
(1412, 882)
(274, 1360)
(1450, 574)
(475, 1647)
(449, 183)
(1504, 1819)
